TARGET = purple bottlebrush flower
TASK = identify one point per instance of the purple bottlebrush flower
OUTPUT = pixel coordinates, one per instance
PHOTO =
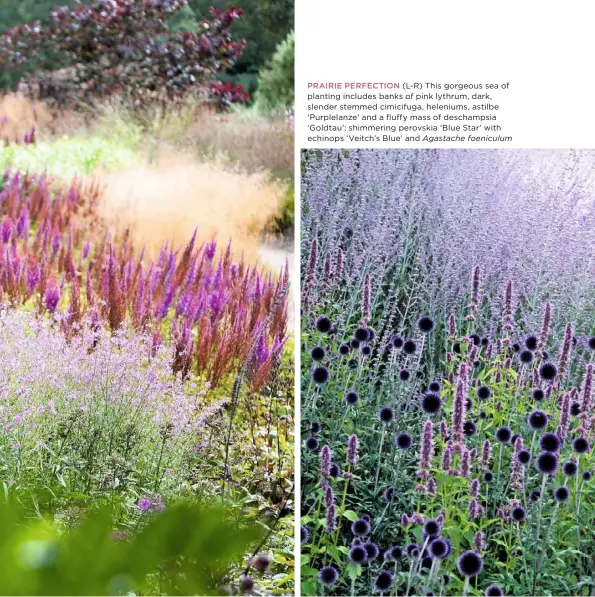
(405, 520)
(474, 293)
(7, 227)
(585, 397)
(427, 447)
(478, 541)
(339, 264)
(331, 518)
(86, 250)
(452, 326)
(545, 325)
(52, 298)
(325, 461)
(352, 446)
(447, 457)
(465, 462)
(459, 407)
(475, 487)
(564, 355)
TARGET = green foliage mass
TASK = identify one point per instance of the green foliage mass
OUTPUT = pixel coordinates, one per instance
(276, 89)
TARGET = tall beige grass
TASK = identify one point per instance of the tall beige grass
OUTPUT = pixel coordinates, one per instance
(167, 201)
(19, 114)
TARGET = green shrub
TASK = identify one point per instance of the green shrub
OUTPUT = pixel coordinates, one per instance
(276, 89)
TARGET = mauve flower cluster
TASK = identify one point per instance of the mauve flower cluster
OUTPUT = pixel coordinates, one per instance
(29, 137)
(56, 252)
(104, 401)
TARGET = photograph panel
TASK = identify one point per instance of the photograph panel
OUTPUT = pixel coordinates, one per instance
(447, 342)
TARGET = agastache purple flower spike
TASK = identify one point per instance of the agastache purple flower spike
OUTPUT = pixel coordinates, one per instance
(564, 420)
(339, 264)
(564, 356)
(427, 448)
(310, 274)
(474, 294)
(545, 325)
(465, 462)
(452, 326)
(352, 445)
(585, 398)
(325, 461)
(459, 407)
(478, 541)
(486, 453)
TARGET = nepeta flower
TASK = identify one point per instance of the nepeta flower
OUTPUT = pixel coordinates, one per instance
(427, 445)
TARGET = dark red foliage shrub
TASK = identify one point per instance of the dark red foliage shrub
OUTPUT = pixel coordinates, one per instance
(113, 46)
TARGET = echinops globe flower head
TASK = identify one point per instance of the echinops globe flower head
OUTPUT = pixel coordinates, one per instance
(581, 445)
(425, 324)
(548, 371)
(384, 581)
(328, 576)
(550, 442)
(386, 415)
(372, 550)
(547, 463)
(470, 564)
(358, 555)
(320, 375)
(483, 392)
(317, 353)
(362, 334)
(538, 420)
(397, 342)
(403, 441)
(561, 494)
(431, 403)
(504, 434)
(351, 398)
(324, 324)
(518, 514)
(361, 527)
(409, 347)
(494, 591)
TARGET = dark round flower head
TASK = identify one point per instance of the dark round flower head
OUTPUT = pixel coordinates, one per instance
(526, 357)
(538, 420)
(362, 334)
(335, 471)
(514, 438)
(324, 324)
(531, 342)
(397, 341)
(403, 441)
(366, 350)
(550, 442)
(439, 548)
(312, 443)
(575, 409)
(483, 392)
(434, 386)
(372, 550)
(394, 553)
(431, 528)
(371, 335)
(545, 354)
(587, 476)
(547, 463)
(384, 581)
(352, 363)
(518, 514)
(591, 342)
(351, 398)
(483, 414)
(366, 517)
(548, 371)
(445, 580)
(409, 347)
(485, 341)
(581, 445)
(456, 348)
(494, 591)
(320, 374)
(488, 476)
(426, 562)
(404, 375)
(412, 550)
(388, 493)
(470, 564)
(344, 349)
(358, 554)
(534, 495)
(524, 457)
(425, 324)
(354, 344)
(361, 527)
(304, 535)
(475, 339)
(246, 583)
(538, 394)
(315, 427)
(317, 353)
(431, 403)
(570, 468)
(386, 414)
(469, 428)
(516, 347)
(503, 434)
(328, 576)
(561, 494)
